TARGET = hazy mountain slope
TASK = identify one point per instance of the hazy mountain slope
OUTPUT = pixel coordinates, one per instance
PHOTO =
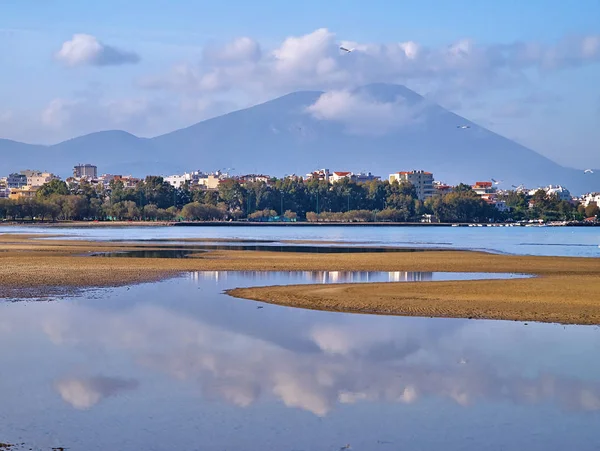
(280, 137)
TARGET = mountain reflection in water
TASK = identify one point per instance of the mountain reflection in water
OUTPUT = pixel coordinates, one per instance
(181, 356)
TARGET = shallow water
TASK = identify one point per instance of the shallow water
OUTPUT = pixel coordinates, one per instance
(195, 249)
(558, 241)
(179, 365)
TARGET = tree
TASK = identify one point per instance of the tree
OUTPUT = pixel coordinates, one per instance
(233, 194)
(592, 210)
(150, 212)
(53, 187)
(291, 215)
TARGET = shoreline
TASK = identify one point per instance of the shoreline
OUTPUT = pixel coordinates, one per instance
(564, 291)
(118, 224)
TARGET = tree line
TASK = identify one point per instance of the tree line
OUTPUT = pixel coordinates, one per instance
(289, 199)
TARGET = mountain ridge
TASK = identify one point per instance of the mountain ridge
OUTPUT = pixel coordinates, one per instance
(280, 136)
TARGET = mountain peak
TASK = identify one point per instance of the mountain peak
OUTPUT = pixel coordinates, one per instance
(280, 136)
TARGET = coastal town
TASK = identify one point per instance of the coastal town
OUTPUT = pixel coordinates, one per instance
(319, 196)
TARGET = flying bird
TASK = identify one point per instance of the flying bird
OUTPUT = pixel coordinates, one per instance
(463, 126)
(346, 50)
(497, 182)
(588, 171)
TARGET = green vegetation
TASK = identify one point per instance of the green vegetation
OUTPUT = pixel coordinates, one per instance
(279, 200)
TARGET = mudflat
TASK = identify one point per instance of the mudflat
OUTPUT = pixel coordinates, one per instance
(565, 289)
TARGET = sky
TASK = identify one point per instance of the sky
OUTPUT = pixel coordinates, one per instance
(526, 70)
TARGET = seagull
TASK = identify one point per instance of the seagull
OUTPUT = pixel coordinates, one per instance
(497, 182)
(463, 126)
(588, 171)
(346, 50)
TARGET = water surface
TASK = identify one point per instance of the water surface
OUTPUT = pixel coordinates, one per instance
(179, 365)
(558, 241)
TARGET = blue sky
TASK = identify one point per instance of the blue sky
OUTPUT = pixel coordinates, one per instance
(150, 67)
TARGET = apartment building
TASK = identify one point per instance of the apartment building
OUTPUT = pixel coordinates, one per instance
(37, 178)
(27, 192)
(16, 181)
(87, 171)
(421, 180)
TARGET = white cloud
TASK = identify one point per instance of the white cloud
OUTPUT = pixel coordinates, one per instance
(362, 114)
(87, 50)
(85, 393)
(315, 61)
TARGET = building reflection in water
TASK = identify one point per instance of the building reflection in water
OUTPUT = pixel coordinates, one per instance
(320, 276)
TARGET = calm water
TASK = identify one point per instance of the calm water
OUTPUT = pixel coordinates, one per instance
(178, 365)
(564, 241)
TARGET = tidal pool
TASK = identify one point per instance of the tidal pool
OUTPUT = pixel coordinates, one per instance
(179, 365)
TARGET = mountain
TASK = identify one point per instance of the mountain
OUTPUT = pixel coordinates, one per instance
(280, 137)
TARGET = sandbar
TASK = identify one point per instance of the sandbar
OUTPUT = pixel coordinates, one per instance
(564, 289)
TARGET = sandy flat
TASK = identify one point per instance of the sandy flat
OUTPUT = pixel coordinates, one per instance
(564, 290)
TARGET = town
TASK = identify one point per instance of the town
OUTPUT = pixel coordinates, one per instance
(321, 196)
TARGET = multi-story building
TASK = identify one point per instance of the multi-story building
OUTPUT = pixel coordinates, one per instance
(27, 192)
(37, 178)
(16, 181)
(560, 191)
(363, 177)
(587, 199)
(85, 171)
(249, 178)
(484, 188)
(177, 181)
(319, 174)
(421, 180)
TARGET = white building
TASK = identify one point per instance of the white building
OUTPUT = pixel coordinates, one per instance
(587, 199)
(560, 191)
(177, 181)
(338, 176)
(421, 180)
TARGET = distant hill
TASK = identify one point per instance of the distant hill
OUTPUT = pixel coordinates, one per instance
(279, 137)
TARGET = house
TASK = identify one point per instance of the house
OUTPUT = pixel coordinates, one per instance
(441, 189)
(339, 176)
(421, 180)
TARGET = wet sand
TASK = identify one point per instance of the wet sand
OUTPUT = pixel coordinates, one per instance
(565, 291)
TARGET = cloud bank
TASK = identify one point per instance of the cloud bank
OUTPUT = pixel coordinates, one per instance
(314, 60)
